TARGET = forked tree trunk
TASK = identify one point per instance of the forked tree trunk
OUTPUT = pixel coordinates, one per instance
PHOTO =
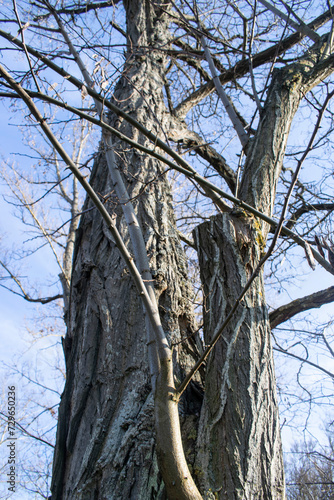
(239, 453)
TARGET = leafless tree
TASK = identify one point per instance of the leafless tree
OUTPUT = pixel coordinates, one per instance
(310, 472)
(38, 370)
(195, 81)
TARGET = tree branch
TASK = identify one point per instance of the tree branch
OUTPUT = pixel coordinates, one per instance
(180, 134)
(181, 166)
(303, 360)
(302, 27)
(287, 311)
(21, 30)
(189, 172)
(187, 55)
(306, 208)
(241, 68)
(238, 127)
(24, 294)
(5, 418)
(79, 10)
(151, 310)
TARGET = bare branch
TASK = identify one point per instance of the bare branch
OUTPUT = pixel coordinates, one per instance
(81, 10)
(302, 27)
(243, 137)
(24, 294)
(329, 347)
(5, 418)
(187, 241)
(262, 261)
(303, 360)
(288, 311)
(256, 97)
(24, 45)
(306, 208)
(241, 68)
(143, 293)
(181, 134)
(188, 171)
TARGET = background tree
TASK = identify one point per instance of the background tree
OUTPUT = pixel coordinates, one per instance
(231, 435)
(47, 204)
(310, 472)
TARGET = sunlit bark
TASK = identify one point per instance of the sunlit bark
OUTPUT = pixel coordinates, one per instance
(106, 438)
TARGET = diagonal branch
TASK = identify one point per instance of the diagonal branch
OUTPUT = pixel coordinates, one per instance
(329, 347)
(303, 360)
(301, 27)
(243, 137)
(5, 418)
(251, 39)
(180, 134)
(150, 308)
(157, 344)
(22, 198)
(80, 10)
(182, 166)
(287, 311)
(306, 208)
(261, 262)
(191, 56)
(24, 294)
(24, 45)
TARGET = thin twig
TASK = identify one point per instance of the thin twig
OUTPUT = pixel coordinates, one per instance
(300, 358)
(5, 418)
(24, 45)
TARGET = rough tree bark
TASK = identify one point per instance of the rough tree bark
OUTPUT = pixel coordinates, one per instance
(239, 448)
(105, 441)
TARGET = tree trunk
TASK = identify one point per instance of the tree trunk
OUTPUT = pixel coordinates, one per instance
(105, 441)
(239, 452)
